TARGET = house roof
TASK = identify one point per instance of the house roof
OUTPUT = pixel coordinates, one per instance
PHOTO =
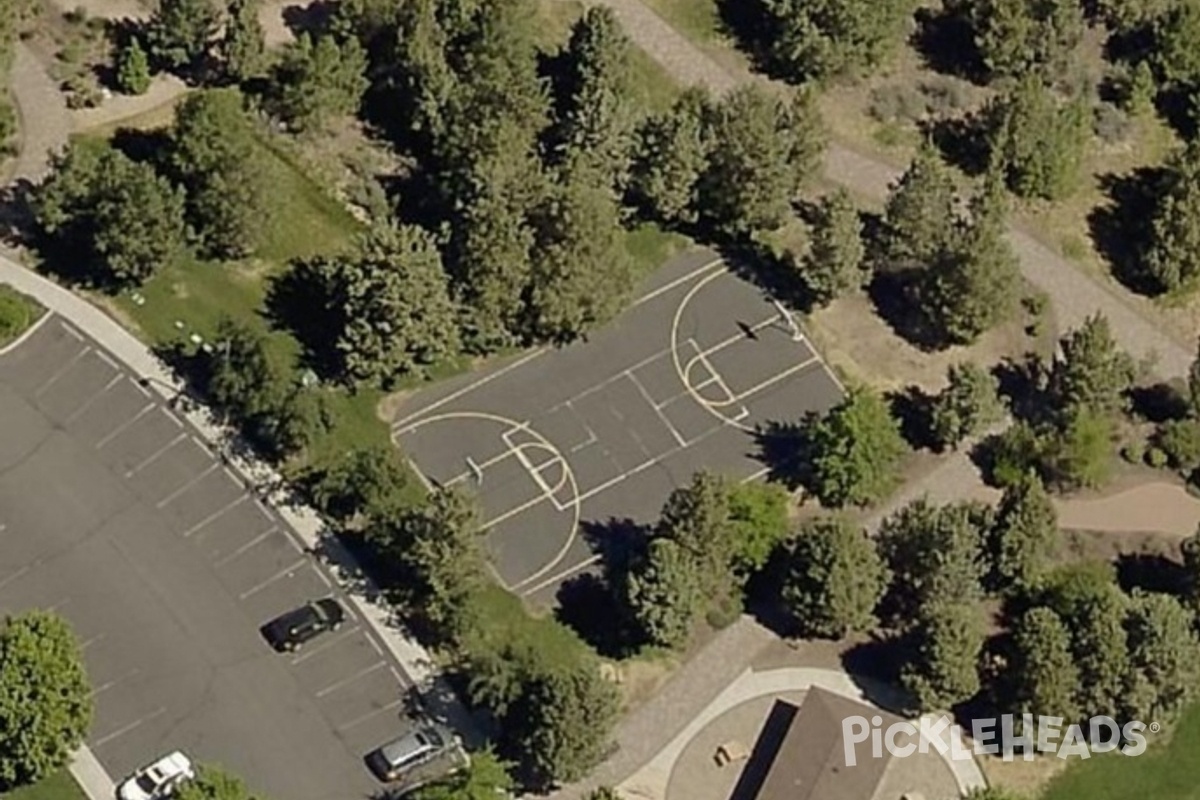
(811, 761)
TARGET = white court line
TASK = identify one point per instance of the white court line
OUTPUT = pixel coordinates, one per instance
(329, 642)
(677, 282)
(175, 495)
(566, 573)
(237, 501)
(124, 426)
(103, 740)
(344, 682)
(26, 334)
(512, 512)
(283, 573)
(425, 482)
(150, 459)
(225, 559)
(520, 362)
(77, 413)
(63, 370)
(657, 409)
(370, 714)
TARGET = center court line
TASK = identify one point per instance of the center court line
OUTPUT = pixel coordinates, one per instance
(150, 459)
(325, 645)
(124, 426)
(103, 740)
(283, 573)
(213, 516)
(177, 493)
(657, 410)
(349, 679)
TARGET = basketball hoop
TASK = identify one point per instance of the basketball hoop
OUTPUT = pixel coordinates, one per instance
(789, 319)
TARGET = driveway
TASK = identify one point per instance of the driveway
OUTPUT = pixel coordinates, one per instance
(114, 513)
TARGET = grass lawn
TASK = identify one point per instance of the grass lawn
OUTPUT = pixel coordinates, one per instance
(504, 621)
(699, 20)
(17, 313)
(1163, 773)
(59, 786)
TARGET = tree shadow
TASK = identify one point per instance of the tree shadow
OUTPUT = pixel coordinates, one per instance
(1022, 380)
(145, 146)
(297, 302)
(313, 19)
(783, 449)
(756, 262)
(747, 23)
(1176, 104)
(964, 141)
(895, 293)
(1159, 402)
(914, 410)
(588, 605)
(875, 667)
(1120, 228)
(945, 40)
(18, 227)
(1151, 573)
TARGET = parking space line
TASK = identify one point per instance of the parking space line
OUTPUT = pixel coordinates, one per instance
(344, 682)
(63, 370)
(124, 426)
(182, 489)
(325, 645)
(283, 573)
(103, 356)
(89, 642)
(370, 715)
(213, 516)
(104, 687)
(103, 740)
(77, 413)
(70, 331)
(15, 576)
(56, 606)
(157, 454)
(256, 540)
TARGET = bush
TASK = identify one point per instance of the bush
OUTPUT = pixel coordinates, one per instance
(1013, 454)
(724, 613)
(1133, 452)
(897, 103)
(1111, 124)
(943, 95)
(1179, 439)
(1156, 458)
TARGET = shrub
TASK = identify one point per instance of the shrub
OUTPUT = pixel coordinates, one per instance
(1111, 124)
(1133, 452)
(897, 103)
(943, 95)
(1179, 439)
(1156, 458)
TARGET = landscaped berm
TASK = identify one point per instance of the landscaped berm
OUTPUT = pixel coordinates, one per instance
(17, 313)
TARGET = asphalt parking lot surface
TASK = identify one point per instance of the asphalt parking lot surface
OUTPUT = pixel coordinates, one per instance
(115, 514)
(563, 445)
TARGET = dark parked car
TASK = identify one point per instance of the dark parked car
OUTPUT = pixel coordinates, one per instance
(291, 630)
(394, 760)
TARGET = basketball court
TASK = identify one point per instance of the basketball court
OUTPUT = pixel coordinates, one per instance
(560, 442)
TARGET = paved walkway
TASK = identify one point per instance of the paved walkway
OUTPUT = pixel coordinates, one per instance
(305, 523)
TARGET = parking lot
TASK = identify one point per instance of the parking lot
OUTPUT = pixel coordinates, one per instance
(114, 513)
(562, 444)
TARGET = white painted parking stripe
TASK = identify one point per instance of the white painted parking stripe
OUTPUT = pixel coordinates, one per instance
(103, 740)
(225, 559)
(124, 426)
(104, 687)
(345, 726)
(344, 682)
(283, 573)
(14, 576)
(103, 356)
(157, 454)
(213, 516)
(175, 495)
(99, 637)
(77, 413)
(63, 370)
(70, 331)
(325, 645)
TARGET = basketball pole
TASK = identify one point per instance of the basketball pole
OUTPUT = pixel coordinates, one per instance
(789, 319)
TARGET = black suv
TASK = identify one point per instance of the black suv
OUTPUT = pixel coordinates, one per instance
(288, 631)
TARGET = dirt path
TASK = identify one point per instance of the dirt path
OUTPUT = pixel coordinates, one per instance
(1151, 507)
(44, 122)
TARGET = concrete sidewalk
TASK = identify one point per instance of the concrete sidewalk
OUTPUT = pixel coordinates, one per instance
(306, 525)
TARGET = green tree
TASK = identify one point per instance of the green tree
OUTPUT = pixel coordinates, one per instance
(968, 405)
(759, 516)
(763, 149)
(1193, 385)
(581, 273)
(665, 593)
(854, 450)
(133, 68)
(392, 305)
(1164, 657)
(243, 46)
(485, 779)
(835, 578)
(1091, 372)
(1018, 37)
(1174, 29)
(920, 212)
(1080, 454)
(807, 40)
(317, 81)
(1190, 551)
(972, 285)
(180, 32)
(604, 793)
(1046, 676)
(934, 552)
(215, 155)
(214, 783)
(1172, 253)
(45, 698)
(1038, 138)
(671, 157)
(836, 260)
(1025, 534)
(562, 724)
(372, 481)
(949, 638)
(245, 381)
(595, 130)
(435, 554)
(698, 517)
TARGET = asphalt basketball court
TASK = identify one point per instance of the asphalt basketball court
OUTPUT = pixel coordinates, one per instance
(558, 443)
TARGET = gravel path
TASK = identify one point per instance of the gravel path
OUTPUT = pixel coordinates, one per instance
(44, 121)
